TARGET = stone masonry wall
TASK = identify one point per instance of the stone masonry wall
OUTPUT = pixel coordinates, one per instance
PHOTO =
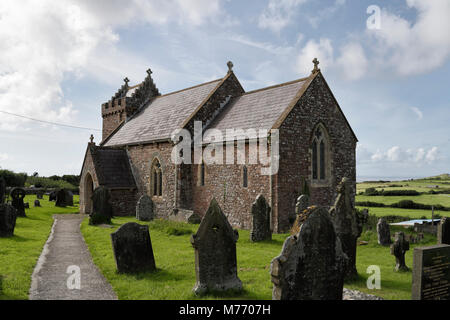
(225, 183)
(316, 105)
(88, 168)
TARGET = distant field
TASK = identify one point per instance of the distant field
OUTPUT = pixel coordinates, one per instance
(431, 199)
(412, 213)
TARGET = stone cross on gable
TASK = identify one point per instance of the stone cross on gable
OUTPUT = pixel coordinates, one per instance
(126, 80)
(316, 65)
(230, 66)
(149, 71)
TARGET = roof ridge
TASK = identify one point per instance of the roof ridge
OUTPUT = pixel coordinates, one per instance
(277, 85)
(193, 87)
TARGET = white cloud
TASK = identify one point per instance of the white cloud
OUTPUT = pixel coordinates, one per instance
(278, 14)
(417, 112)
(396, 154)
(43, 42)
(3, 157)
(325, 13)
(352, 61)
(414, 48)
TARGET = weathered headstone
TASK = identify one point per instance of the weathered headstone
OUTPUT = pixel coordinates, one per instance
(431, 273)
(398, 249)
(37, 203)
(17, 195)
(8, 217)
(348, 225)
(261, 220)
(311, 265)
(64, 198)
(301, 204)
(194, 218)
(384, 232)
(101, 206)
(26, 205)
(132, 248)
(144, 208)
(2, 190)
(215, 253)
(443, 231)
(52, 196)
(40, 195)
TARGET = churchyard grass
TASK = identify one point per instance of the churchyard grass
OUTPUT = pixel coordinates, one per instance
(175, 275)
(19, 254)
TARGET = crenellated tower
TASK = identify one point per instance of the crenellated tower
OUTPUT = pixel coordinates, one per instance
(126, 102)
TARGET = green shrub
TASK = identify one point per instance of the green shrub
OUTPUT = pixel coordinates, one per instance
(173, 231)
(13, 179)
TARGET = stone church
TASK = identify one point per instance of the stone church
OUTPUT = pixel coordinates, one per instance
(316, 148)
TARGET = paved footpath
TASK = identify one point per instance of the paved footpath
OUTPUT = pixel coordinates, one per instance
(64, 248)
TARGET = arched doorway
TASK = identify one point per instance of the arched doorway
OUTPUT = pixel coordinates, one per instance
(88, 191)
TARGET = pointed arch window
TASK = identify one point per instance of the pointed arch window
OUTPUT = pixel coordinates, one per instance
(320, 155)
(156, 178)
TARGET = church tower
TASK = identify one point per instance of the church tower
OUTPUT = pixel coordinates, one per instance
(126, 102)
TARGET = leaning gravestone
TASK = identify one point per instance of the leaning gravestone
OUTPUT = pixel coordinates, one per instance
(101, 207)
(2, 190)
(215, 253)
(301, 204)
(132, 248)
(348, 225)
(37, 203)
(398, 249)
(311, 265)
(7, 220)
(443, 231)
(261, 220)
(17, 195)
(431, 273)
(384, 233)
(144, 208)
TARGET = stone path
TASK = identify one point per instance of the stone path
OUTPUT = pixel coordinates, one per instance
(66, 247)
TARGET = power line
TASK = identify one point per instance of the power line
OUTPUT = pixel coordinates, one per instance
(49, 122)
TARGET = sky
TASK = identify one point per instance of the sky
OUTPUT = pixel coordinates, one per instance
(387, 63)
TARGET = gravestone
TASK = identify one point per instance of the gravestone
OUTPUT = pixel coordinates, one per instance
(8, 217)
(443, 231)
(312, 264)
(194, 218)
(144, 208)
(132, 248)
(215, 253)
(40, 195)
(398, 249)
(348, 225)
(52, 196)
(101, 207)
(431, 273)
(384, 232)
(301, 204)
(64, 198)
(37, 203)
(2, 190)
(261, 220)
(26, 205)
(17, 195)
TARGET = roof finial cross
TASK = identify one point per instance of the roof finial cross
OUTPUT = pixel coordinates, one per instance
(230, 66)
(126, 80)
(92, 138)
(316, 64)
(149, 71)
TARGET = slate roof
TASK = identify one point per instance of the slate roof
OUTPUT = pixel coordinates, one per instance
(162, 116)
(112, 167)
(258, 109)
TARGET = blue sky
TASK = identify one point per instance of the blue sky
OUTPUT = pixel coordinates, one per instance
(60, 60)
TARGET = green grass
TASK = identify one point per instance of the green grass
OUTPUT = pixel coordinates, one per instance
(412, 213)
(19, 254)
(430, 199)
(174, 258)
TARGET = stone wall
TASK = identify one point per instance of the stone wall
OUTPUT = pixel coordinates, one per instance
(317, 105)
(88, 169)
